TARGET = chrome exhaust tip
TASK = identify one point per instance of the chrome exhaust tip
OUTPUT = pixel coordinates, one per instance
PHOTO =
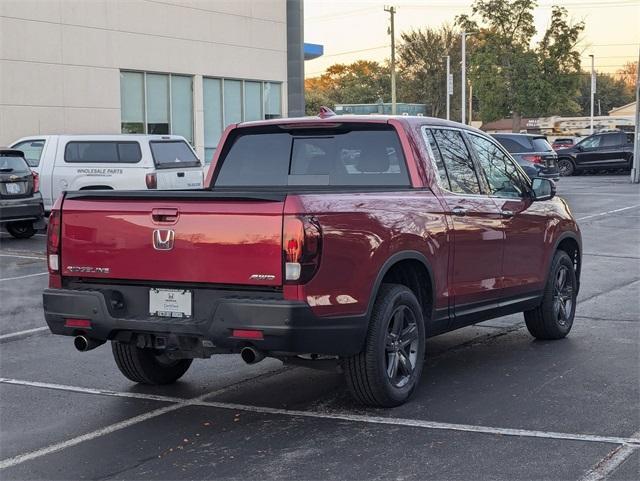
(84, 344)
(251, 355)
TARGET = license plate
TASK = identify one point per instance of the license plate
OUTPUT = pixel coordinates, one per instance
(170, 302)
(13, 188)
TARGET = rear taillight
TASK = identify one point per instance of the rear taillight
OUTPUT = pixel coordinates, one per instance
(151, 180)
(53, 249)
(36, 181)
(301, 245)
(536, 159)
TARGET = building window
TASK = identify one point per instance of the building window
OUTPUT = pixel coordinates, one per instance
(153, 103)
(228, 101)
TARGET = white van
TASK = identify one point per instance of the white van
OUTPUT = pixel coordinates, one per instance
(120, 162)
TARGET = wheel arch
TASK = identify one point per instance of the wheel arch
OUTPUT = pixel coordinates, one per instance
(570, 243)
(409, 268)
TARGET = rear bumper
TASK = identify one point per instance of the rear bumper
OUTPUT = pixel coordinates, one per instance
(287, 326)
(14, 210)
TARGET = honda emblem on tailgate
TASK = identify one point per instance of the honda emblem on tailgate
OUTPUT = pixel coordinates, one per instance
(163, 239)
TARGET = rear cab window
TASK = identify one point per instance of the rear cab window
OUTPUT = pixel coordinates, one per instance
(173, 154)
(103, 152)
(349, 154)
(32, 150)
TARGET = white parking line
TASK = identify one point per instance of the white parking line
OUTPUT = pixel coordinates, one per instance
(610, 463)
(632, 442)
(23, 277)
(608, 212)
(22, 333)
(20, 256)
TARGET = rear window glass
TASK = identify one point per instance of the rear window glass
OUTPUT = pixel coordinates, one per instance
(540, 144)
(12, 163)
(515, 144)
(368, 155)
(32, 150)
(173, 154)
(103, 152)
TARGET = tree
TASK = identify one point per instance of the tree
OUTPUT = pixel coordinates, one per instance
(422, 67)
(510, 77)
(611, 92)
(363, 81)
(628, 74)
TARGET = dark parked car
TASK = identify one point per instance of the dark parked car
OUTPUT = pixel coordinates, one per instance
(606, 150)
(532, 152)
(21, 208)
(562, 143)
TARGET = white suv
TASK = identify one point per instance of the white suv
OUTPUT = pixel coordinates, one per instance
(119, 162)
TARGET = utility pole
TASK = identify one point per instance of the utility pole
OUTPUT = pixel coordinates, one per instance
(463, 87)
(593, 89)
(470, 103)
(449, 86)
(635, 170)
(392, 32)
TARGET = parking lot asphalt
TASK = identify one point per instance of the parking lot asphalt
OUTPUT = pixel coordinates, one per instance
(493, 403)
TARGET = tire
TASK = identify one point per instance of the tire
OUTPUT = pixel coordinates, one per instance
(21, 230)
(566, 167)
(553, 318)
(145, 366)
(386, 372)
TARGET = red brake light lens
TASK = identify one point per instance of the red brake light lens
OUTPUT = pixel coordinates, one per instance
(53, 249)
(36, 181)
(301, 245)
(151, 181)
(247, 334)
(78, 323)
(536, 159)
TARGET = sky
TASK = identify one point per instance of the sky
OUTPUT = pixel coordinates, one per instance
(357, 29)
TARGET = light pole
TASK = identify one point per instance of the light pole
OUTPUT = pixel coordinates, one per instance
(449, 86)
(635, 170)
(593, 89)
(392, 12)
(463, 86)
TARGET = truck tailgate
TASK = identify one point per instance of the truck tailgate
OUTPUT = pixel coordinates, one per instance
(207, 238)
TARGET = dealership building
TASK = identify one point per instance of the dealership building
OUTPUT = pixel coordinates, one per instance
(186, 67)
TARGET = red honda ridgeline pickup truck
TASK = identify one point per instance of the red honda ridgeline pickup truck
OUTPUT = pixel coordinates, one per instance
(346, 238)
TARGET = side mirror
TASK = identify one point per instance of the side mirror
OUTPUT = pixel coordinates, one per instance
(543, 189)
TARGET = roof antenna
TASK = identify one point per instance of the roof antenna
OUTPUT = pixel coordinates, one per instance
(326, 112)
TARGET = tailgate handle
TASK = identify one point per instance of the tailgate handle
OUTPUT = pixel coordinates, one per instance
(165, 215)
(180, 174)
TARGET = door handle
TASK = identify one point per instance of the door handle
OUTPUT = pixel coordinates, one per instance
(459, 211)
(507, 214)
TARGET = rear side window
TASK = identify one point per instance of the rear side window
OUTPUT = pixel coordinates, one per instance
(365, 155)
(611, 140)
(12, 163)
(103, 152)
(515, 144)
(540, 144)
(32, 150)
(457, 161)
(173, 154)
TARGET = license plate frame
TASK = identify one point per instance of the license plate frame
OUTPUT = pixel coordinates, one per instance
(171, 303)
(13, 188)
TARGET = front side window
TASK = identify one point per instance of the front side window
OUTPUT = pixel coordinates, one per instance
(32, 150)
(457, 161)
(502, 174)
(591, 142)
(103, 152)
(345, 156)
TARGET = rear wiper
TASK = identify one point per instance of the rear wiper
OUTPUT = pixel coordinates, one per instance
(8, 169)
